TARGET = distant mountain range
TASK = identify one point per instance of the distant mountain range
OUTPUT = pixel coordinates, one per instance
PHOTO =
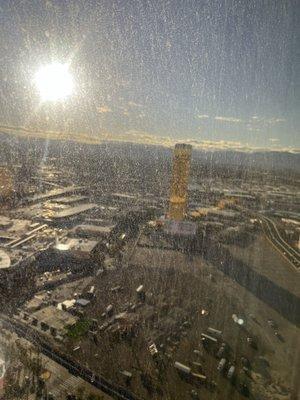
(269, 160)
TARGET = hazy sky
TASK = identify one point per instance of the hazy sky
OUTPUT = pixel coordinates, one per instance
(207, 71)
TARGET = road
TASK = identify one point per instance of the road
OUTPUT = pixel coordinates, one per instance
(271, 231)
(98, 381)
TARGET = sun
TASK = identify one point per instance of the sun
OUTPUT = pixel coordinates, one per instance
(54, 82)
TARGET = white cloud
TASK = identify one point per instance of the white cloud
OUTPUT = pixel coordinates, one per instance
(228, 119)
(255, 123)
(122, 82)
(272, 121)
(203, 116)
(134, 104)
(104, 109)
(251, 128)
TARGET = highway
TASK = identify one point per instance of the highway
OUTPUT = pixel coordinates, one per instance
(98, 381)
(288, 252)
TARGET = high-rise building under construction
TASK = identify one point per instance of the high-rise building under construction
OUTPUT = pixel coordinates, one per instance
(180, 176)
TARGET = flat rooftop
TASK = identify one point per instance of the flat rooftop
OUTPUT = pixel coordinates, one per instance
(70, 212)
(95, 230)
(82, 245)
(54, 193)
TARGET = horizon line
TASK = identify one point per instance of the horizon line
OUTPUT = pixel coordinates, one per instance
(140, 138)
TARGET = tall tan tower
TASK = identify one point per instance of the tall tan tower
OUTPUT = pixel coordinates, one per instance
(180, 176)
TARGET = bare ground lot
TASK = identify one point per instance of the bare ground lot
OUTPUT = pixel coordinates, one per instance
(177, 288)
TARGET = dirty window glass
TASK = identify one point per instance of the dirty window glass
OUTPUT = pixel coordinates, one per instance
(149, 200)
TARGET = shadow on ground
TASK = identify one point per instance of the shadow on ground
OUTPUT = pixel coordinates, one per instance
(280, 299)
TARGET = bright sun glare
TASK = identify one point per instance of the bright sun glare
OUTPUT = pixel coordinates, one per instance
(54, 82)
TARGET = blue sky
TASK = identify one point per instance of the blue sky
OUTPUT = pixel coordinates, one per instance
(224, 72)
